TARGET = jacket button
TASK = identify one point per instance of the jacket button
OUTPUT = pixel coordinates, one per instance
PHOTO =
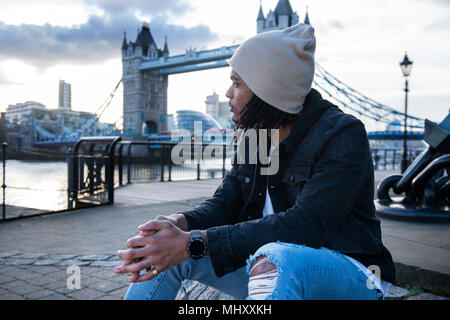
(271, 187)
(260, 194)
(247, 179)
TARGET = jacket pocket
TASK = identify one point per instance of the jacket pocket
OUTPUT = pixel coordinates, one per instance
(295, 179)
(297, 173)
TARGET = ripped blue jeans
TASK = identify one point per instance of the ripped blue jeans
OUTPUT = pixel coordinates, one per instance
(304, 273)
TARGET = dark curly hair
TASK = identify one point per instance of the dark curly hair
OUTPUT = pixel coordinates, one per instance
(266, 116)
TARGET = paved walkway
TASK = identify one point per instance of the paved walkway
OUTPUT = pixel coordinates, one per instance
(36, 252)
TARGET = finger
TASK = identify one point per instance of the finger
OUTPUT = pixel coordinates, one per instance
(145, 277)
(138, 242)
(149, 275)
(146, 226)
(135, 253)
(134, 277)
(124, 263)
(134, 267)
(155, 225)
(127, 262)
(147, 233)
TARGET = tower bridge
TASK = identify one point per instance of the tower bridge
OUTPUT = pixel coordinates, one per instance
(146, 69)
(191, 61)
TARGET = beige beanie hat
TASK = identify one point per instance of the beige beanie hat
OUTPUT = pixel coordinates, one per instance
(278, 66)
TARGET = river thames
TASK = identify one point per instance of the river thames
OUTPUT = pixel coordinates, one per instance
(36, 184)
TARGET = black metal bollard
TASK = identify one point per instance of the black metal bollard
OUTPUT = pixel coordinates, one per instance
(129, 164)
(162, 162)
(224, 156)
(170, 162)
(120, 165)
(70, 177)
(4, 145)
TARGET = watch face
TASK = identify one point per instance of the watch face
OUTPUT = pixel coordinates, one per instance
(196, 248)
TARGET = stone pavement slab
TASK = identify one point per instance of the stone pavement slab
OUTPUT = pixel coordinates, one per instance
(421, 244)
(157, 192)
(95, 257)
(16, 284)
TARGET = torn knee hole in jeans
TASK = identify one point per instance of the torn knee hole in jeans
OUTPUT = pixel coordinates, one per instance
(262, 284)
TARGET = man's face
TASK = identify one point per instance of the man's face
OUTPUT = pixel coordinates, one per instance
(239, 95)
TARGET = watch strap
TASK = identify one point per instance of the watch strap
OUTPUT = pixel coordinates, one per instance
(196, 234)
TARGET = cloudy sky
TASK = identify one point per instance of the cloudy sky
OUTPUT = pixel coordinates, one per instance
(361, 42)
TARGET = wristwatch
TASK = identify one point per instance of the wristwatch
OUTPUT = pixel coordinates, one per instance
(196, 246)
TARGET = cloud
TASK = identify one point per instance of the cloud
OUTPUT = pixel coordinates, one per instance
(440, 25)
(152, 7)
(335, 24)
(4, 80)
(100, 37)
(328, 25)
(442, 2)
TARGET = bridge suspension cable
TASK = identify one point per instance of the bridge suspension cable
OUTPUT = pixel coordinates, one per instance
(345, 96)
(93, 118)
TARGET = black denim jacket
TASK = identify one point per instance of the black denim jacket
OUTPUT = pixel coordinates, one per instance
(322, 196)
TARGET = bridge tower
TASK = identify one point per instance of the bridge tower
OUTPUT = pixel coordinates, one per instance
(144, 92)
(282, 17)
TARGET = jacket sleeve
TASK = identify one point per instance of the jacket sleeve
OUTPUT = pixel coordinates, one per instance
(325, 200)
(222, 208)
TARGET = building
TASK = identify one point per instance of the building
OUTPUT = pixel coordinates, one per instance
(34, 121)
(219, 110)
(282, 17)
(31, 121)
(185, 120)
(144, 93)
(20, 112)
(65, 95)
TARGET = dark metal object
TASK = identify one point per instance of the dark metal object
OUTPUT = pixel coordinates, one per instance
(162, 163)
(96, 156)
(423, 191)
(120, 165)
(405, 131)
(4, 146)
(406, 66)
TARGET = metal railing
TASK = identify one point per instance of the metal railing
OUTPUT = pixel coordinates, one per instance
(139, 161)
(91, 172)
(390, 158)
(37, 182)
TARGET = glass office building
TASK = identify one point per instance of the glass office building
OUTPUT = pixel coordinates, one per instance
(184, 119)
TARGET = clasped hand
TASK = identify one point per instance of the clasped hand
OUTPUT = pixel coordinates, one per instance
(160, 244)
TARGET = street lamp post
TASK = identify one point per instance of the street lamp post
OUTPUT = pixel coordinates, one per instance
(406, 67)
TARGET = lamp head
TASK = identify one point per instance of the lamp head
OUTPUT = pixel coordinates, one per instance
(406, 65)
